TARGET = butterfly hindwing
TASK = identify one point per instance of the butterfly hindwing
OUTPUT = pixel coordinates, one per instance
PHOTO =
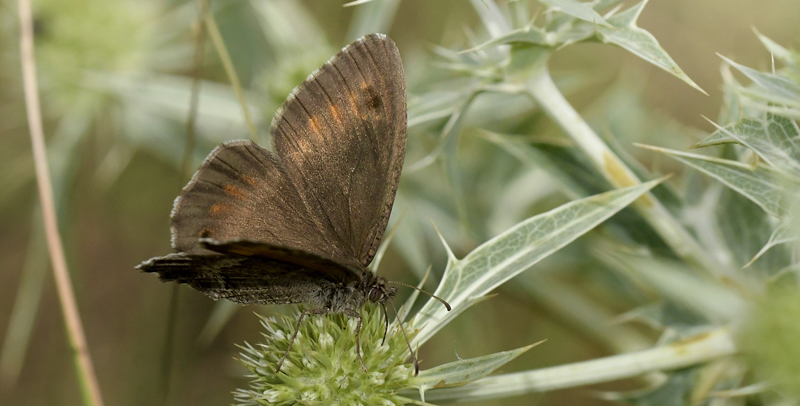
(243, 279)
(334, 270)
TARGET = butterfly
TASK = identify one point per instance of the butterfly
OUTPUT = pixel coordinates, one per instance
(301, 223)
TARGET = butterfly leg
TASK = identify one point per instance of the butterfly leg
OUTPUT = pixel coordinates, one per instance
(357, 315)
(386, 323)
(303, 314)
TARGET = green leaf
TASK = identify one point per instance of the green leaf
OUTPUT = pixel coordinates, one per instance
(404, 310)
(776, 140)
(745, 229)
(574, 8)
(376, 16)
(673, 281)
(759, 183)
(604, 4)
(773, 84)
(571, 305)
(501, 258)
(759, 99)
(528, 155)
(674, 392)
(151, 103)
(732, 108)
(701, 348)
(287, 27)
(23, 315)
(222, 313)
(449, 132)
(529, 35)
(411, 242)
(433, 106)
(779, 52)
(492, 17)
(723, 136)
(464, 371)
(665, 314)
(783, 234)
(624, 33)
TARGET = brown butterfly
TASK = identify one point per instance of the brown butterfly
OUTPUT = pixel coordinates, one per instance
(301, 223)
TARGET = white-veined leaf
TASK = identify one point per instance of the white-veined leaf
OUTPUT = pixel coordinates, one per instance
(673, 281)
(755, 99)
(514, 251)
(723, 134)
(375, 16)
(773, 84)
(604, 4)
(492, 17)
(776, 140)
(624, 33)
(783, 234)
(464, 371)
(759, 183)
(574, 8)
(779, 52)
(745, 228)
(695, 350)
(529, 34)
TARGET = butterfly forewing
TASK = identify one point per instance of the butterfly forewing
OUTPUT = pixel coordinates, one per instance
(329, 186)
(341, 136)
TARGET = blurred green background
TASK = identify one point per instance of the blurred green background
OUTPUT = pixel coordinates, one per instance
(115, 80)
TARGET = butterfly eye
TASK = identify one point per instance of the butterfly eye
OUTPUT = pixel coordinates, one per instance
(374, 295)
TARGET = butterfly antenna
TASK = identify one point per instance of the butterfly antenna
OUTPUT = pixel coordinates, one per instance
(413, 356)
(447, 305)
(386, 322)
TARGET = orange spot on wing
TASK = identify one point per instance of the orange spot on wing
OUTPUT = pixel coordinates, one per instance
(335, 113)
(313, 124)
(235, 191)
(248, 179)
(205, 233)
(218, 209)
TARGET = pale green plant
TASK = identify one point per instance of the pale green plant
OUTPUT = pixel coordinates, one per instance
(709, 268)
(326, 352)
(758, 162)
(704, 298)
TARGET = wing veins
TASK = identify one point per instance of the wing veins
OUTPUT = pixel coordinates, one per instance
(347, 193)
(313, 193)
(372, 126)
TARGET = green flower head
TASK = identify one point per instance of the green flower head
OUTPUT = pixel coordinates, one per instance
(322, 366)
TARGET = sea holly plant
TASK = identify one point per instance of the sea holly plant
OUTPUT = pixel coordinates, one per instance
(513, 61)
(322, 363)
(701, 295)
(705, 260)
(757, 158)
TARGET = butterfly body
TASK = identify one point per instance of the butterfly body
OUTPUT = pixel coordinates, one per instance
(254, 280)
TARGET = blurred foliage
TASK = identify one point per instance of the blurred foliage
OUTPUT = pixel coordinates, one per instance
(482, 157)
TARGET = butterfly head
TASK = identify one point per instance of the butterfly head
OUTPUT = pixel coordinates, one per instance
(378, 291)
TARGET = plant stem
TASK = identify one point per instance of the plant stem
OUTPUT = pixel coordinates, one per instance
(227, 63)
(194, 98)
(77, 339)
(541, 87)
(26, 306)
(681, 354)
